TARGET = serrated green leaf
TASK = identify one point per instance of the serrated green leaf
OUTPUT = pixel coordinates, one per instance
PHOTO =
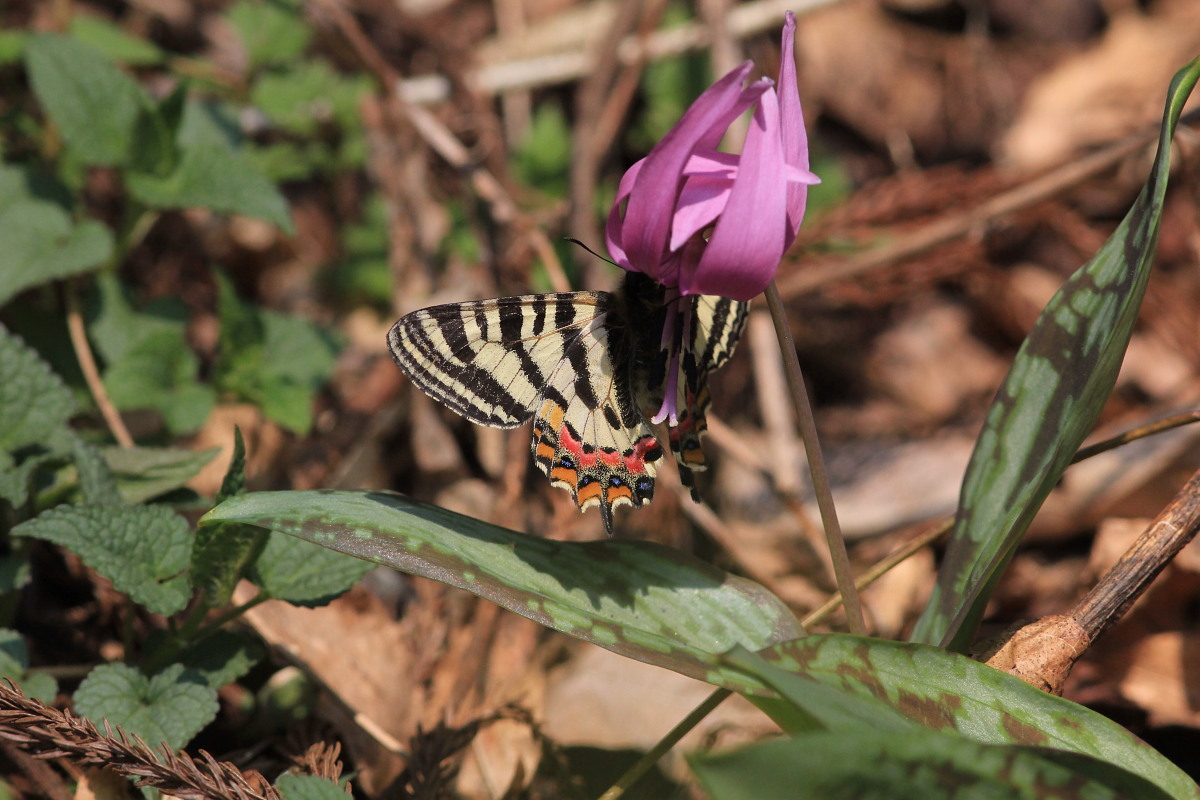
(96, 480)
(948, 692)
(34, 402)
(94, 104)
(302, 573)
(171, 707)
(921, 765)
(143, 550)
(115, 42)
(15, 480)
(309, 787)
(222, 658)
(212, 176)
(1059, 381)
(273, 31)
(143, 473)
(41, 244)
(639, 599)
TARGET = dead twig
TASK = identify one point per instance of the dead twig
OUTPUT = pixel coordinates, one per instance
(45, 732)
(91, 373)
(442, 140)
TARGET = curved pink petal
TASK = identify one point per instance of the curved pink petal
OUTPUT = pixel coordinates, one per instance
(795, 139)
(702, 200)
(647, 220)
(745, 248)
(612, 227)
(713, 163)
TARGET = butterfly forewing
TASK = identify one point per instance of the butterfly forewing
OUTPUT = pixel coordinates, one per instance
(489, 359)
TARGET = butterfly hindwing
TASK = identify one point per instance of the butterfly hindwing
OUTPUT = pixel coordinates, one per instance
(589, 436)
(708, 330)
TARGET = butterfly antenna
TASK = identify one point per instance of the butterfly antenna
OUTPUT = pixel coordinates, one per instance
(573, 240)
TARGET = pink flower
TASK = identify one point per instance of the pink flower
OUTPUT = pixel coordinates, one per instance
(674, 195)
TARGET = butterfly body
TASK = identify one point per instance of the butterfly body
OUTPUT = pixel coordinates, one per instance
(590, 369)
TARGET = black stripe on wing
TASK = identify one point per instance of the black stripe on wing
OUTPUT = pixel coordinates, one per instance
(488, 360)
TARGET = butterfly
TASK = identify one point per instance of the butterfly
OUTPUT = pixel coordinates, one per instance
(592, 369)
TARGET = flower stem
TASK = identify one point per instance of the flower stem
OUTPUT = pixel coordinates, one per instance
(816, 463)
(664, 744)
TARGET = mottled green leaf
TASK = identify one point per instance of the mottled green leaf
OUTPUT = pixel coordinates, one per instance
(171, 707)
(94, 104)
(41, 244)
(143, 550)
(34, 402)
(639, 599)
(212, 176)
(143, 473)
(948, 692)
(221, 553)
(1060, 379)
(920, 765)
(306, 95)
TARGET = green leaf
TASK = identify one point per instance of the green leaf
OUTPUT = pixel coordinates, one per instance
(143, 473)
(143, 550)
(810, 705)
(222, 553)
(1059, 381)
(948, 692)
(34, 402)
(273, 360)
(23, 182)
(273, 31)
(222, 658)
(920, 765)
(306, 95)
(639, 599)
(116, 326)
(96, 480)
(14, 666)
(212, 176)
(41, 244)
(300, 572)
(171, 707)
(159, 372)
(543, 159)
(94, 104)
(309, 787)
(114, 42)
(12, 46)
(15, 481)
